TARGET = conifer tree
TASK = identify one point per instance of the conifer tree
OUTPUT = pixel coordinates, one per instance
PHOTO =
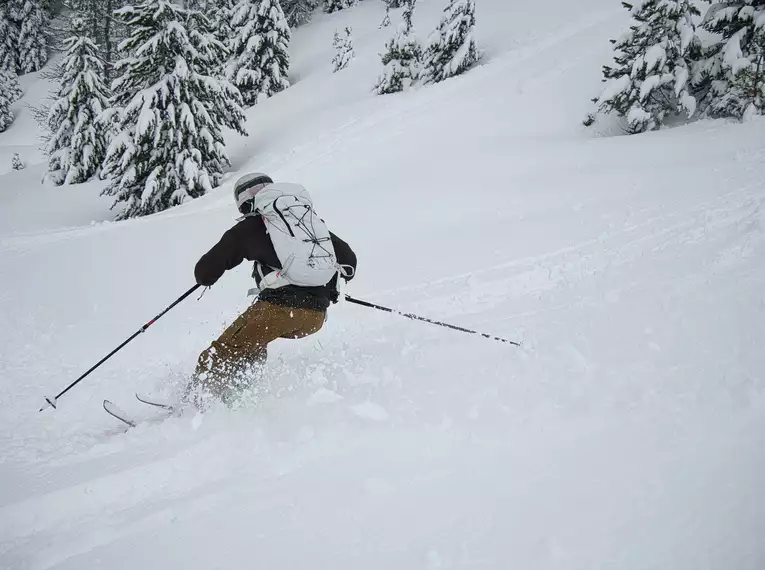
(651, 78)
(386, 20)
(260, 60)
(13, 13)
(9, 41)
(33, 45)
(7, 97)
(451, 49)
(16, 162)
(10, 85)
(402, 57)
(78, 140)
(101, 26)
(220, 12)
(15, 9)
(169, 147)
(331, 6)
(731, 77)
(344, 50)
(88, 15)
(298, 12)
(408, 15)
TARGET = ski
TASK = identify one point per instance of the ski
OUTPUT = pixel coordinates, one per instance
(156, 403)
(116, 412)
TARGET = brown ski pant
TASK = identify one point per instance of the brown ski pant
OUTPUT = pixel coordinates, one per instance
(244, 344)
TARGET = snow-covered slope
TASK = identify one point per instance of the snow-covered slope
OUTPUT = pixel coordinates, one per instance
(627, 432)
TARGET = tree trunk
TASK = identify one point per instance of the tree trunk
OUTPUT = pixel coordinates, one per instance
(108, 40)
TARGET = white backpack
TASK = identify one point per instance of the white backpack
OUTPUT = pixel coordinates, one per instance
(301, 239)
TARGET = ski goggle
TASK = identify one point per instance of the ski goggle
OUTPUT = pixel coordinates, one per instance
(245, 198)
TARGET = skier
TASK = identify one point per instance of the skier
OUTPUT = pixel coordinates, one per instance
(297, 262)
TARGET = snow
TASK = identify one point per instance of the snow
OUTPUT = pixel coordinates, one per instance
(626, 433)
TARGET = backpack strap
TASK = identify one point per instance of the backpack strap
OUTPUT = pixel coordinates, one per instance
(271, 280)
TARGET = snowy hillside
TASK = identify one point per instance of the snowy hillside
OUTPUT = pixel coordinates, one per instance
(627, 433)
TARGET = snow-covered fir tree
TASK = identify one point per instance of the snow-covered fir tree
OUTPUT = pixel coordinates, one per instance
(171, 109)
(7, 97)
(402, 57)
(260, 60)
(101, 26)
(219, 13)
(386, 20)
(451, 48)
(78, 140)
(651, 76)
(9, 41)
(746, 96)
(17, 163)
(298, 12)
(331, 6)
(344, 51)
(10, 85)
(33, 44)
(408, 14)
(16, 9)
(731, 77)
(89, 14)
(393, 4)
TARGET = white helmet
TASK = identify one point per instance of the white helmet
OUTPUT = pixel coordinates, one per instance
(246, 188)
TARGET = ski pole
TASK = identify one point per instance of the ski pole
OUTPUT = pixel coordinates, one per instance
(418, 318)
(52, 402)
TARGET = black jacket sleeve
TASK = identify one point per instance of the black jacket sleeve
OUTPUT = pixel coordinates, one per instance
(246, 240)
(226, 254)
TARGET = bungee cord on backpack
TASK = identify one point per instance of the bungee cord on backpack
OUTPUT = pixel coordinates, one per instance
(310, 232)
